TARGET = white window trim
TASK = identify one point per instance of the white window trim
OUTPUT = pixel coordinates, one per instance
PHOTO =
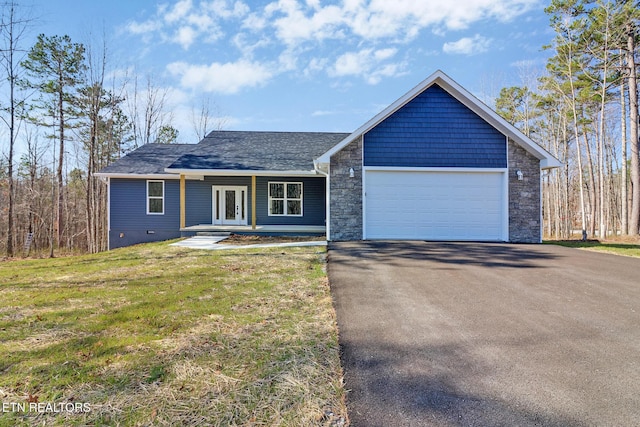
(285, 198)
(155, 197)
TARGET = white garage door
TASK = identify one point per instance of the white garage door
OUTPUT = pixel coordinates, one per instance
(435, 205)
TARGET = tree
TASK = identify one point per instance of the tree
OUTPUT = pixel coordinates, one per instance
(515, 105)
(631, 15)
(55, 68)
(13, 28)
(203, 122)
(563, 69)
(167, 135)
(146, 109)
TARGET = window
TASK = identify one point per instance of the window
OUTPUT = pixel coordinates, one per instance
(285, 198)
(155, 197)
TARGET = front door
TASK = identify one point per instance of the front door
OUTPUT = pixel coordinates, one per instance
(229, 205)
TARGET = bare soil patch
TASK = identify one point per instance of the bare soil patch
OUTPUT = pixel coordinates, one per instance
(243, 239)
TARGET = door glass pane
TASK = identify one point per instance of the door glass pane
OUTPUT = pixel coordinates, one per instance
(218, 205)
(242, 204)
(230, 204)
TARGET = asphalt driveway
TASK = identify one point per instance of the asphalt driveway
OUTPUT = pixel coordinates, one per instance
(467, 334)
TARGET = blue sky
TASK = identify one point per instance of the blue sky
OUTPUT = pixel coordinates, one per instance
(305, 65)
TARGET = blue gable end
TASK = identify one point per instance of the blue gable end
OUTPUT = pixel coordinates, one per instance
(435, 130)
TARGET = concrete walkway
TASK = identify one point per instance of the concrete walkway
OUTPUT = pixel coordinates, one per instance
(212, 243)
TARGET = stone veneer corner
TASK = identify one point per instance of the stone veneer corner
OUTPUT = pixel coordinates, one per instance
(345, 204)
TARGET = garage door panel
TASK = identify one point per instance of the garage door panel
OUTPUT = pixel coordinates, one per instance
(434, 205)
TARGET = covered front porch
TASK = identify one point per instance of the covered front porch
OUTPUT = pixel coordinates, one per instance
(291, 230)
(291, 203)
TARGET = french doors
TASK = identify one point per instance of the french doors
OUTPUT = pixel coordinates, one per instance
(229, 205)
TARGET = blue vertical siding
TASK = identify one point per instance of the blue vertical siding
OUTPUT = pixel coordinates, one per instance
(435, 130)
(129, 221)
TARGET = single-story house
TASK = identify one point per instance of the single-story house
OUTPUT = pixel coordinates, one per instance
(437, 164)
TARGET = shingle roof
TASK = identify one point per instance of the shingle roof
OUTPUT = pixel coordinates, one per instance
(273, 151)
(149, 159)
(231, 150)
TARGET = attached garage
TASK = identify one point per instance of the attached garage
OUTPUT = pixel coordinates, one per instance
(435, 205)
(437, 164)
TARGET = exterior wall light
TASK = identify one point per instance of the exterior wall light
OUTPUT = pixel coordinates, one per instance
(351, 173)
(519, 175)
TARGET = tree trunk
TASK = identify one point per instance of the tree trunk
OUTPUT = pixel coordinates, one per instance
(12, 133)
(592, 193)
(624, 214)
(634, 222)
(59, 173)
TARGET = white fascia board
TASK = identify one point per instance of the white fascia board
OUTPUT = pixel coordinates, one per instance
(234, 172)
(136, 175)
(550, 163)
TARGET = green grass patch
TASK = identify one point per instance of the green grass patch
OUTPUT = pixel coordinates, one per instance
(159, 335)
(618, 248)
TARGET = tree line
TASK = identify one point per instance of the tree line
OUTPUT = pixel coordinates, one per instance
(65, 114)
(584, 109)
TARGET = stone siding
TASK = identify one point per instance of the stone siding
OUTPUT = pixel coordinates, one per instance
(524, 196)
(346, 193)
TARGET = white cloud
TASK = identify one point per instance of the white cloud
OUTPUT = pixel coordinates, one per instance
(185, 36)
(383, 54)
(143, 27)
(370, 35)
(467, 45)
(315, 65)
(254, 22)
(352, 63)
(202, 22)
(227, 78)
(294, 26)
(178, 11)
(321, 113)
(222, 9)
(367, 63)
(185, 24)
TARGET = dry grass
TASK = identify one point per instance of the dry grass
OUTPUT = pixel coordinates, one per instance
(156, 335)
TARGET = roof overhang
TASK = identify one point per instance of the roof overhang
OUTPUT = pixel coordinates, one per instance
(547, 160)
(235, 172)
(136, 175)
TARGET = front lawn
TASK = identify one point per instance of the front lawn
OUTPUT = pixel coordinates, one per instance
(160, 335)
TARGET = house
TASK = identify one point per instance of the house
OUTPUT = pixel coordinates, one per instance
(437, 164)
